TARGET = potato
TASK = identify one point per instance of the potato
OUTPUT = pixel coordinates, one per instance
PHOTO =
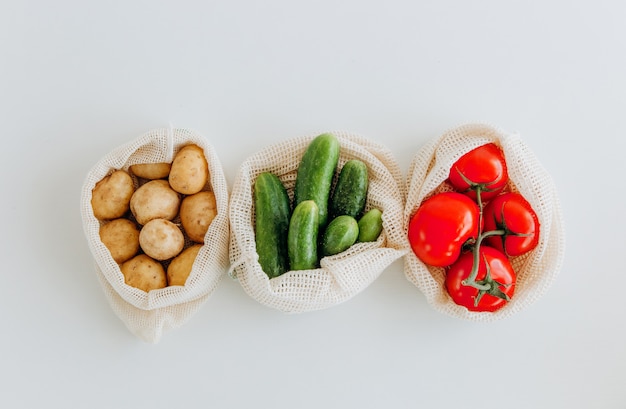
(161, 239)
(154, 200)
(180, 267)
(111, 196)
(121, 237)
(151, 171)
(196, 214)
(144, 273)
(190, 170)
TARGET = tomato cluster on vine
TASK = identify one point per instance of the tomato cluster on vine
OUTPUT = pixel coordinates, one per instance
(474, 230)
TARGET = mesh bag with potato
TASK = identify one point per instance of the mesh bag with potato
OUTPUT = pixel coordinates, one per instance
(535, 270)
(338, 277)
(155, 215)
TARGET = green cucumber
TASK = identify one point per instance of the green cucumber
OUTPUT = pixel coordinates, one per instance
(302, 236)
(272, 214)
(350, 192)
(341, 233)
(315, 174)
(370, 225)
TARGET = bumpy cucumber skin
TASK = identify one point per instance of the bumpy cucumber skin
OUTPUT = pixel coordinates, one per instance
(370, 225)
(350, 192)
(272, 212)
(315, 174)
(341, 233)
(302, 236)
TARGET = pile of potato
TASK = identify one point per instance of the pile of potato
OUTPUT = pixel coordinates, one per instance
(146, 228)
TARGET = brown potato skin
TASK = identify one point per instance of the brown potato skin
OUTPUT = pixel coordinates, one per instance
(180, 267)
(161, 239)
(144, 273)
(190, 170)
(121, 237)
(154, 200)
(151, 171)
(111, 196)
(196, 214)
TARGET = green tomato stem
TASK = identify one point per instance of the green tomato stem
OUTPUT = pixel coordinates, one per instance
(471, 279)
(479, 200)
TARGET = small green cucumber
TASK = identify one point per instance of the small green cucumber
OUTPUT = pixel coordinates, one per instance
(315, 173)
(272, 213)
(341, 233)
(302, 236)
(351, 190)
(370, 225)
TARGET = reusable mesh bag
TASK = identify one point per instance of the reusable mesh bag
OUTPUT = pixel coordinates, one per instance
(149, 314)
(339, 277)
(535, 270)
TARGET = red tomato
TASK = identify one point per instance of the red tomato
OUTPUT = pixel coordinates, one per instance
(441, 226)
(484, 168)
(494, 272)
(511, 215)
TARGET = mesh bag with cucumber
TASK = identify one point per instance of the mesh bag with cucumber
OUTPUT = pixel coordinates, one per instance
(315, 220)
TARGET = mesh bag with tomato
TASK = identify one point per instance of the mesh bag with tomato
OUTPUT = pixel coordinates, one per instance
(484, 222)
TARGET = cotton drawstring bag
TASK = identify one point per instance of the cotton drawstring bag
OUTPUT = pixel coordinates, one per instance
(339, 277)
(536, 270)
(150, 314)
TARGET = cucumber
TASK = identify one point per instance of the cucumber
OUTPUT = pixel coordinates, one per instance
(272, 212)
(370, 225)
(315, 174)
(302, 236)
(350, 192)
(341, 233)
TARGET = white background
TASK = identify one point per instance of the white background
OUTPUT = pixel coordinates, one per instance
(80, 78)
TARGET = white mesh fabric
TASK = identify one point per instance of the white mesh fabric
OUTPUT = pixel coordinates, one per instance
(535, 270)
(148, 315)
(342, 276)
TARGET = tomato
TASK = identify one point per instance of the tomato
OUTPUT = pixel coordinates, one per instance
(482, 168)
(514, 219)
(495, 274)
(441, 226)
